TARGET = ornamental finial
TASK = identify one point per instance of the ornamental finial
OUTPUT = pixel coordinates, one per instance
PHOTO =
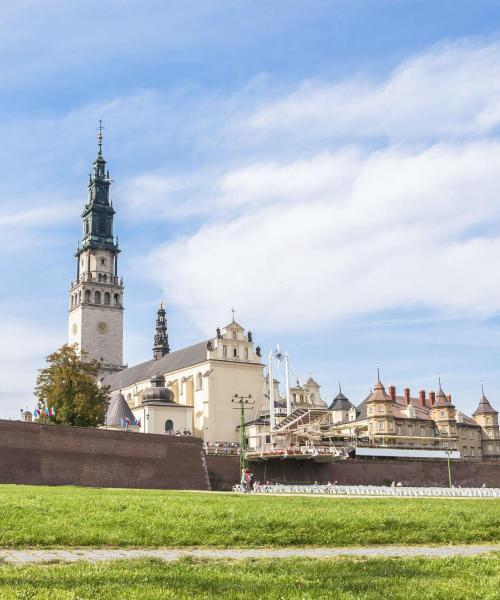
(100, 129)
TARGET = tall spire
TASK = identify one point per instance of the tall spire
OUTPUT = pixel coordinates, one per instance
(161, 346)
(98, 213)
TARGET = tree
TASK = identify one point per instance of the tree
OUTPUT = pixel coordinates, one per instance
(67, 389)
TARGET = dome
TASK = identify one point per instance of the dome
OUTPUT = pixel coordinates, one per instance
(157, 392)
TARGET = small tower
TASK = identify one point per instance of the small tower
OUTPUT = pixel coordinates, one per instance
(486, 416)
(161, 346)
(340, 407)
(444, 415)
(379, 408)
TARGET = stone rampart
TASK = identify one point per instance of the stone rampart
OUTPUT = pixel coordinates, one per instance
(224, 472)
(31, 453)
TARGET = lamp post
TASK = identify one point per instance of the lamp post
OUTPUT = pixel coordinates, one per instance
(448, 451)
(243, 403)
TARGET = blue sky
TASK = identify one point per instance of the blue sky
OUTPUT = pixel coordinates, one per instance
(330, 168)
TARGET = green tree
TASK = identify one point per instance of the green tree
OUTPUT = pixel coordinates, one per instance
(67, 386)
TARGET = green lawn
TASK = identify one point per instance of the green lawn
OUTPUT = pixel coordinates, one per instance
(66, 516)
(457, 578)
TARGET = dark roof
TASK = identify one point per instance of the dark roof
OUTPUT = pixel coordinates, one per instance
(484, 407)
(118, 409)
(340, 402)
(168, 363)
(441, 399)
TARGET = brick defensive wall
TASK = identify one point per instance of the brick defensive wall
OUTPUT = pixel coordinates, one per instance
(31, 453)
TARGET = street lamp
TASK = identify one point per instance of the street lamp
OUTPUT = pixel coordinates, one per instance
(243, 403)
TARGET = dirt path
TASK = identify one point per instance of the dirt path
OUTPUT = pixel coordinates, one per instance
(103, 554)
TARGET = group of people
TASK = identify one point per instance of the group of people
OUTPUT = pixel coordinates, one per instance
(221, 447)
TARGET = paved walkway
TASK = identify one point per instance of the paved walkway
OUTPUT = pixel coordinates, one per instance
(102, 554)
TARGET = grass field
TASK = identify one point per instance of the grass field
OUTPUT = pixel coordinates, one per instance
(457, 578)
(65, 516)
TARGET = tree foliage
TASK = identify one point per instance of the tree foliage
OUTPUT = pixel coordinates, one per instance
(67, 388)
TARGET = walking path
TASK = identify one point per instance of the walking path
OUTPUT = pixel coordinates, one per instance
(102, 554)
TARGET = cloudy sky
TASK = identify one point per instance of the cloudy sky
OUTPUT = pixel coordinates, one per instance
(331, 168)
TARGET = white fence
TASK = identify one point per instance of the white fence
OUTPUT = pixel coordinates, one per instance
(373, 490)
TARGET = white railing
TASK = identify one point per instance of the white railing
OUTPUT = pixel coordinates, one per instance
(373, 490)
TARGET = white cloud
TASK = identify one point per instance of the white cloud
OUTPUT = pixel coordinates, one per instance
(23, 345)
(450, 91)
(400, 229)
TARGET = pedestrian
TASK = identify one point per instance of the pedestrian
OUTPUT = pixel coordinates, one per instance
(244, 480)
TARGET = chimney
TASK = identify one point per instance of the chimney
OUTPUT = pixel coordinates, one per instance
(432, 398)
(392, 392)
(421, 396)
(406, 393)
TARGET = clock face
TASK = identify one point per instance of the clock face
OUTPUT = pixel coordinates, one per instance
(102, 327)
(75, 329)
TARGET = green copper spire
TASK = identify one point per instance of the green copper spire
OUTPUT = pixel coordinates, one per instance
(98, 212)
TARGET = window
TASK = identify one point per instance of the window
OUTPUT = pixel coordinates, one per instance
(117, 299)
(234, 335)
(381, 426)
(97, 297)
(422, 431)
(169, 425)
(471, 434)
(199, 381)
(99, 277)
(398, 429)
(107, 298)
(235, 352)
(370, 410)
(371, 426)
(488, 420)
(103, 262)
(246, 353)
(224, 351)
(380, 409)
(72, 300)
(104, 278)
(445, 429)
(87, 295)
(443, 413)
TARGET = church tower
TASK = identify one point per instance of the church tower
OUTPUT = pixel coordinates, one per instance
(96, 296)
(161, 346)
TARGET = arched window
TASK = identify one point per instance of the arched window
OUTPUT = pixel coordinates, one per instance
(87, 295)
(97, 297)
(234, 335)
(79, 297)
(103, 262)
(199, 381)
(107, 298)
(104, 278)
(117, 299)
(169, 426)
(99, 277)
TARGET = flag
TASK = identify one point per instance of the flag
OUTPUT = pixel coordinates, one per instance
(122, 422)
(46, 411)
(138, 422)
(127, 421)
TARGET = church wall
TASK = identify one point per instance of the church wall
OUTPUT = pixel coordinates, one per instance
(227, 379)
(52, 455)
(153, 418)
